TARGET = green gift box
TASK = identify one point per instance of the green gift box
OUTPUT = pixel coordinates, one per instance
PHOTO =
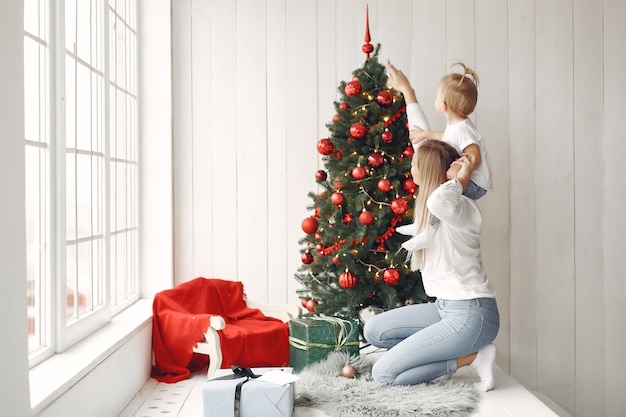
(312, 338)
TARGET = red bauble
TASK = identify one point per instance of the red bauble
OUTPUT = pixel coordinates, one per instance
(399, 206)
(310, 305)
(335, 260)
(303, 302)
(309, 225)
(384, 98)
(335, 118)
(409, 186)
(386, 136)
(352, 88)
(391, 276)
(408, 151)
(307, 258)
(320, 175)
(375, 160)
(384, 185)
(367, 48)
(344, 106)
(337, 199)
(319, 247)
(366, 218)
(347, 218)
(358, 130)
(347, 280)
(325, 146)
(318, 236)
(358, 173)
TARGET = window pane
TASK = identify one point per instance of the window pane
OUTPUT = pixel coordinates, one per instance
(83, 107)
(70, 25)
(83, 30)
(71, 274)
(83, 292)
(34, 89)
(70, 197)
(70, 102)
(36, 244)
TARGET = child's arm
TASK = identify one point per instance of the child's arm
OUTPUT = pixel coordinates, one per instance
(417, 135)
(473, 152)
(400, 82)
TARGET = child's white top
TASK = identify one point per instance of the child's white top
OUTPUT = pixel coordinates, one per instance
(460, 135)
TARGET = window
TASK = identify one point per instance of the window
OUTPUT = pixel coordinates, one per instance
(81, 143)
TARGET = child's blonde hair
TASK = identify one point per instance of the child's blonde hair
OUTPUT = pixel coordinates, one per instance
(460, 90)
(432, 159)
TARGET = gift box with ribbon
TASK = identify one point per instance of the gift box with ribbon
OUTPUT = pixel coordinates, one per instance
(249, 392)
(312, 338)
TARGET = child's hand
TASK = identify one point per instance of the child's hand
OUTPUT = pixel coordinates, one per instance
(417, 135)
(397, 79)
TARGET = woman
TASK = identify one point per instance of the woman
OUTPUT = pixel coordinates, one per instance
(428, 341)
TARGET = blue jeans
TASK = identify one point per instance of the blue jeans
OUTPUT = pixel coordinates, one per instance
(425, 340)
(474, 191)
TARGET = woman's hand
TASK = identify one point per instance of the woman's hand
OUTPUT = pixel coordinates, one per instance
(465, 165)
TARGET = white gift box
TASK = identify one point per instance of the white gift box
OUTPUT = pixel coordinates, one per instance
(259, 398)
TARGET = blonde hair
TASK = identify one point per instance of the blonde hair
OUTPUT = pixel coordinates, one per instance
(460, 90)
(432, 159)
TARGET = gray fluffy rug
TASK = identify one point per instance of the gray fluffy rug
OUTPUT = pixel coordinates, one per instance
(321, 386)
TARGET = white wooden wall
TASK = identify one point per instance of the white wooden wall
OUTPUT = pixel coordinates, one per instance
(254, 82)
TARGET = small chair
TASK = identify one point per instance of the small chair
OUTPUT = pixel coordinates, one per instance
(211, 344)
(211, 320)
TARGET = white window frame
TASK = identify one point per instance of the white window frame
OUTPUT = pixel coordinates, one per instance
(58, 331)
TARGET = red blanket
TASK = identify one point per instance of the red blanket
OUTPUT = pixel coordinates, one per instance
(181, 316)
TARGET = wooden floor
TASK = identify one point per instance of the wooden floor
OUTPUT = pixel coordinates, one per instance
(184, 399)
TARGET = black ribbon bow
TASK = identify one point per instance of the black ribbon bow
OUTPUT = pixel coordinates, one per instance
(239, 372)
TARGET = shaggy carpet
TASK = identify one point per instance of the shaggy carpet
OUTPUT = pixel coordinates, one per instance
(321, 386)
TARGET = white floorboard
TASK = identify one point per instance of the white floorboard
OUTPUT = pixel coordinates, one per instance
(184, 399)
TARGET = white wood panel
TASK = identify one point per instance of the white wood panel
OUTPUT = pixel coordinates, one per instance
(182, 149)
(428, 58)
(523, 285)
(589, 163)
(349, 38)
(302, 121)
(223, 133)
(202, 199)
(279, 277)
(460, 32)
(555, 224)
(251, 145)
(396, 45)
(614, 203)
(491, 116)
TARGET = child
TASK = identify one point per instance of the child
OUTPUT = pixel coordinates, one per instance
(457, 95)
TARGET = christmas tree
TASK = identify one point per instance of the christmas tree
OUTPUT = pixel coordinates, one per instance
(351, 255)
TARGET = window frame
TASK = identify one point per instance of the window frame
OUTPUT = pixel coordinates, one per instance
(59, 333)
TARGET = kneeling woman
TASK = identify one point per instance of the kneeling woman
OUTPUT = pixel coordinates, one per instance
(428, 341)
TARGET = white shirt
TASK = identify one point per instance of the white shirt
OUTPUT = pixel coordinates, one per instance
(453, 268)
(460, 135)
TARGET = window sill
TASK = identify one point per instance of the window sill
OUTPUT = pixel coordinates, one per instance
(57, 374)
